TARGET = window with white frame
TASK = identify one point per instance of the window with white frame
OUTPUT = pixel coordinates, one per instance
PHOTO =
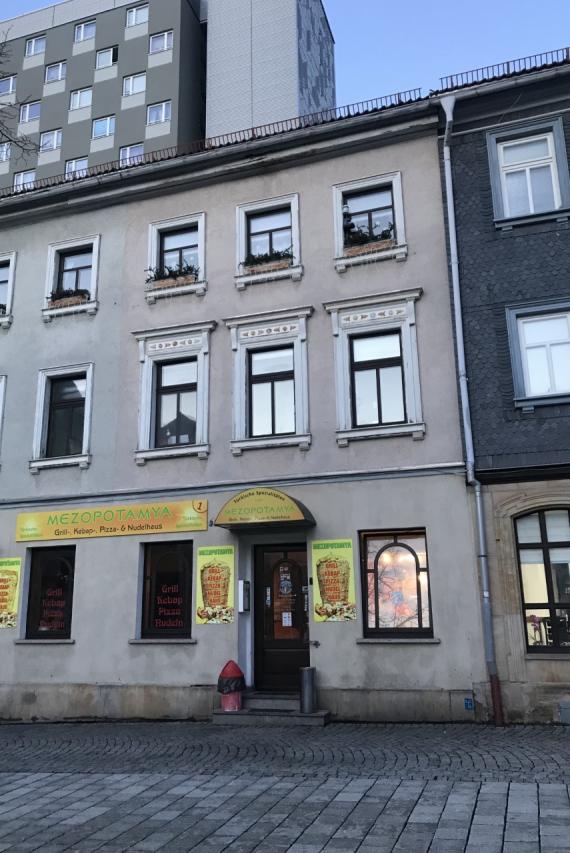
(529, 169)
(56, 71)
(369, 220)
(173, 414)
(50, 140)
(130, 155)
(7, 276)
(30, 111)
(157, 113)
(71, 279)
(85, 31)
(76, 168)
(24, 180)
(268, 241)
(539, 337)
(107, 57)
(63, 417)
(376, 366)
(81, 98)
(35, 45)
(4, 152)
(103, 127)
(161, 41)
(137, 15)
(176, 257)
(134, 84)
(8, 85)
(270, 380)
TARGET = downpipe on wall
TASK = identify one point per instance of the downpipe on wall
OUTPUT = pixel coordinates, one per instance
(448, 105)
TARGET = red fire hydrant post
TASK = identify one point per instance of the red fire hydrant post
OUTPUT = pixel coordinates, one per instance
(231, 684)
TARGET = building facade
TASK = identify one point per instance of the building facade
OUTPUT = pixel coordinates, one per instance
(272, 416)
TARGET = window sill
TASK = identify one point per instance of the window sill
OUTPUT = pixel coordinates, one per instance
(344, 436)
(295, 273)
(200, 450)
(82, 461)
(528, 404)
(303, 442)
(45, 642)
(90, 307)
(154, 293)
(167, 641)
(6, 321)
(397, 253)
(561, 215)
(398, 641)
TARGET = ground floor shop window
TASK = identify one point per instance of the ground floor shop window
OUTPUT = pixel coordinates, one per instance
(395, 583)
(543, 544)
(50, 594)
(167, 590)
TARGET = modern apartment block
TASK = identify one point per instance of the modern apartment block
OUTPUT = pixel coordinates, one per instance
(96, 82)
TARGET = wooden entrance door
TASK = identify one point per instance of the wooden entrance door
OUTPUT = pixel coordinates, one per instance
(281, 616)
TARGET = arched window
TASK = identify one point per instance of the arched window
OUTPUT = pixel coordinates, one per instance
(396, 584)
(543, 546)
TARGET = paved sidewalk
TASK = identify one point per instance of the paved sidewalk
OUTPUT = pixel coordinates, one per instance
(346, 788)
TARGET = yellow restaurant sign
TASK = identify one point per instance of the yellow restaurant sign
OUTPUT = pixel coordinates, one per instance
(262, 506)
(121, 520)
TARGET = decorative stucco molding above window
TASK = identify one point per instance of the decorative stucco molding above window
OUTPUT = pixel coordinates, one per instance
(159, 347)
(369, 315)
(264, 331)
(277, 270)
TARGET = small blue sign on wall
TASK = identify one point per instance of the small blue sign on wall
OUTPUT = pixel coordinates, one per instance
(469, 704)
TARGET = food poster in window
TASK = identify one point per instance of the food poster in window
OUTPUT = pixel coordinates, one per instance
(215, 585)
(10, 571)
(333, 580)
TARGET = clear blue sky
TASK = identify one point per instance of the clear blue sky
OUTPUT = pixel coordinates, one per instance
(384, 46)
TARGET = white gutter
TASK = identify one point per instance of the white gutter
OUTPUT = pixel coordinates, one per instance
(448, 105)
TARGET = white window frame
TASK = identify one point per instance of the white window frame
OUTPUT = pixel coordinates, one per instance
(108, 119)
(159, 346)
(287, 327)
(164, 105)
(125, 158)
(516, 317)
(79, 32)
(25, 111)
(25, 184)
(5, 152)
(62, 71)
(167, 36)
(7, 318)
(79, 93)
(268, 205)
(132, 14)
(399, 252)
(57, 139)
(75, 172)
(102, 51)
(12, 81)
(82, 460)
(366, 315)
(155, 231)
(130, 79)
(31, 44)
(3, 383)
(54, 251)
(526, 166)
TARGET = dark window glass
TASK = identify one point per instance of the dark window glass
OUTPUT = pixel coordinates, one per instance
(51, 594)
(66, 416)
(179, 249)
(75, 271)
(270, 233)
(167, 592)
(395, 583)
(176, 386)
(377, 380)
(271, 392)
(4, 275)
(368, 216)
(543, 544)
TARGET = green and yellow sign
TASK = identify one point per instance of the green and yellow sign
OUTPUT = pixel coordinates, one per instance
(263, 507)
(120, 520)
(10, 572)
(215, 569)
(333, 580)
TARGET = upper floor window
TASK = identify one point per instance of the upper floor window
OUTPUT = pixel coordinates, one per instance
(73, 265)
(107, 57)
(56, 71)
(539, 338)
(130, 155)
(368, 217)
(4, 283)
(271, 392)
(269, 236)
(134, 84)
(4, 152)
(75, 270)
(35, 45)
(8, 85)
(269, 245)
(24, 180)
(103, 127)
(176, 387)
(137, 15)
(50, 140)
(76, 168)
(543, 544)
(66, 416)
(161, 41)
(395, 584)
(30, 111)
(85, 31)
(7, 275)
(179, 250)
(81, 98)
(377, 380)
(157, 113)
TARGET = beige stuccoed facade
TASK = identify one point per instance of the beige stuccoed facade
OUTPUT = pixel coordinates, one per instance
(402, 479)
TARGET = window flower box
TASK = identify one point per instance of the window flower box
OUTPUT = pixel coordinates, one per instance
(267, 267)
(67, 299)
(369, 248)
(172, 281)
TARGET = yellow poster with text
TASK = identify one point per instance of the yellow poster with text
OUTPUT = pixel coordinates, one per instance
(333, 580)
(215, 570)
(120, 520)
(10, 572)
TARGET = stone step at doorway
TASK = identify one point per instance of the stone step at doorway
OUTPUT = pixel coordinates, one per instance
(270, 709)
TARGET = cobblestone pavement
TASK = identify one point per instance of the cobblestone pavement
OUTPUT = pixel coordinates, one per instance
(369, 788)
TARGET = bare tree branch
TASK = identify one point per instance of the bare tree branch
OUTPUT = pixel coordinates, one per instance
(9, 113)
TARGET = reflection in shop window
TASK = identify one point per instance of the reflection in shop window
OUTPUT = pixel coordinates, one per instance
(543, 543)
(396, 584)
(167, 590)
(51, 594)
